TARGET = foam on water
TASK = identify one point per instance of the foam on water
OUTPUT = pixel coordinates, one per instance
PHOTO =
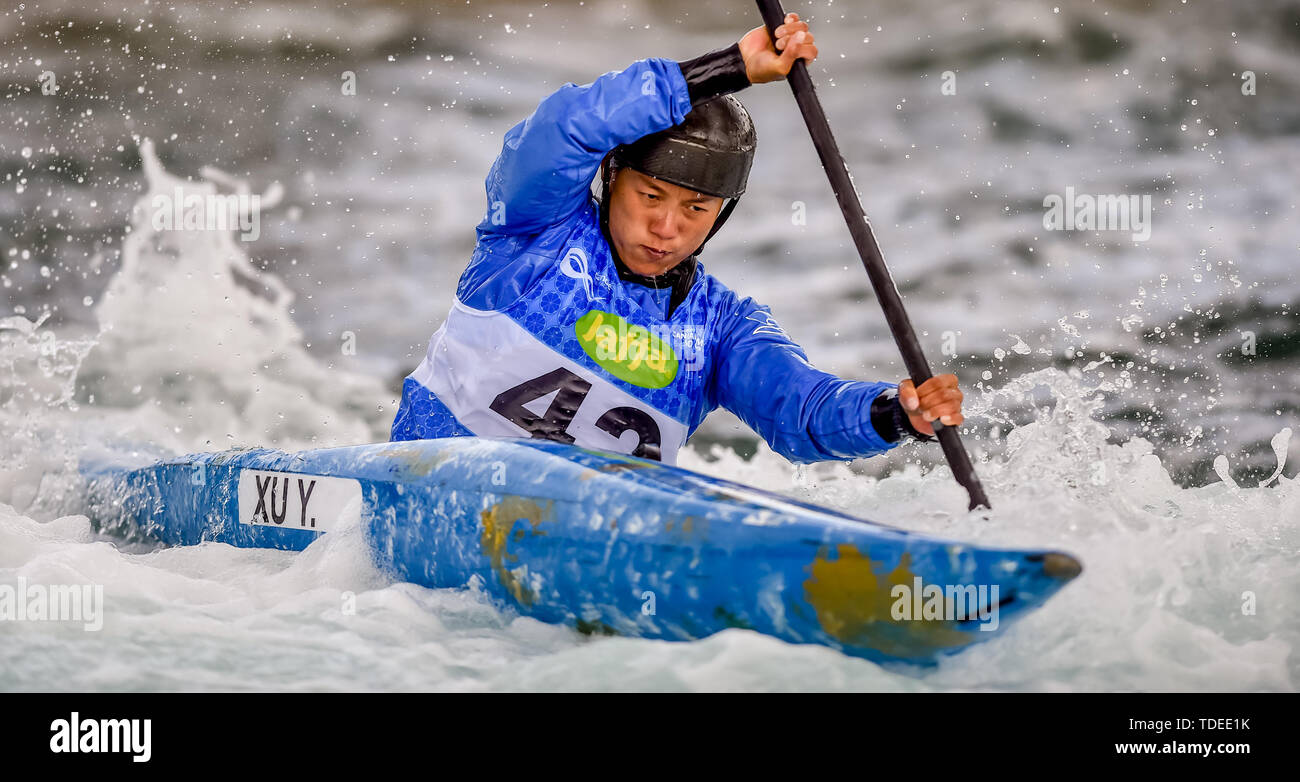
(197, 350)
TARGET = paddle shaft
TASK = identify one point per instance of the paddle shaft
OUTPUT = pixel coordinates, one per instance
(886, 292)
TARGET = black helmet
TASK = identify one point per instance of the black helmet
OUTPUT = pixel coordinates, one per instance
(710, 152)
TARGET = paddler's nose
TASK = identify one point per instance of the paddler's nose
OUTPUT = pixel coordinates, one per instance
(664, 225)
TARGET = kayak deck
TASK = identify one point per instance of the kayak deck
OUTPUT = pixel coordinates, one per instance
(599, 541)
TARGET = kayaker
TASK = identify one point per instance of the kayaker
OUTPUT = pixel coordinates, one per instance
(588, 318)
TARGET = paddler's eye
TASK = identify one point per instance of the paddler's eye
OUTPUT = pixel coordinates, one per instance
(651, 196)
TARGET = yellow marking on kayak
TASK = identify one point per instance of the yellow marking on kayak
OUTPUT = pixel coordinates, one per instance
(687, 530)
(854, 603)
(498, 524)
(622, 466)
(417, 460)
(619, 461)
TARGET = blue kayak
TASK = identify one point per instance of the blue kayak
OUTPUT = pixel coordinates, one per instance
(602, 542)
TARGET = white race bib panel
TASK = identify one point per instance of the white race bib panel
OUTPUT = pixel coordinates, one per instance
(574, 359)
(314, 503)
(500, 381)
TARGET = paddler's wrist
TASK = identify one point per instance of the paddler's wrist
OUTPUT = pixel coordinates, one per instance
(715, 74)
(891, 421)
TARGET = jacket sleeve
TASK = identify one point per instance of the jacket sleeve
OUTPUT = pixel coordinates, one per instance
(548, 160)
(805, 414)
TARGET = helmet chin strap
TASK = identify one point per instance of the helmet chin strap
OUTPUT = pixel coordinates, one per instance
(726, 211)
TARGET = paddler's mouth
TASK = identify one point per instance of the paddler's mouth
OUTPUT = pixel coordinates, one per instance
(654, 254)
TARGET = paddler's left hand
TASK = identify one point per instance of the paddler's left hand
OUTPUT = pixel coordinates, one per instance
(937, 398)
(764, 63)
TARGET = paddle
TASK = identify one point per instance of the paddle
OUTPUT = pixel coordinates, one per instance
(886, 292)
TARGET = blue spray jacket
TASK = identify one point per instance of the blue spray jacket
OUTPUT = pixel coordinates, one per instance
(542, 280)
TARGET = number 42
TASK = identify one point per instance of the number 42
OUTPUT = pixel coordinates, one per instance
(570, 391)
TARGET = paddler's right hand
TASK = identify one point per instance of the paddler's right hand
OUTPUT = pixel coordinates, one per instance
(764, 63)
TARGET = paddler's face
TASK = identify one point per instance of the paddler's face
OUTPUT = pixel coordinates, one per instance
(656, 225)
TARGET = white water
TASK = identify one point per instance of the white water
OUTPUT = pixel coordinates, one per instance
(189, 358)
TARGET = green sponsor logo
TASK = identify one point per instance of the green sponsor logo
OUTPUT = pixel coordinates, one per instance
(629, 353)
